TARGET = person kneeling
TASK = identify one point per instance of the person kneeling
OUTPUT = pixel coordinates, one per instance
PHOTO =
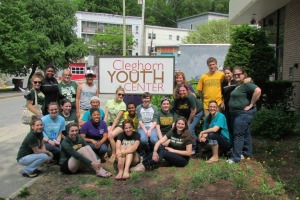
(215, 132)
(75, 153)
(126, 149)
(178, 151)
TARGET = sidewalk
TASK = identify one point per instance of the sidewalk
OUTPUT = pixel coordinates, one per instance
(8, 93)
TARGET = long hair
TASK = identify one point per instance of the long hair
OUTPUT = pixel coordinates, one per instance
(186, 134)
(127, 121)
(72, 124)
(176, 91)
(34, 119)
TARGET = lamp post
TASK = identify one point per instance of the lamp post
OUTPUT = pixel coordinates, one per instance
(124, 29)
(142, 49)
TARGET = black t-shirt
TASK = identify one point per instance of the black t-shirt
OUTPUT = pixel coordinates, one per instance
(125, 139)
(50, 89)
(226, 90)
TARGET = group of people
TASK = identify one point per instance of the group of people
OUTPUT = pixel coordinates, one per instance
(78, 133)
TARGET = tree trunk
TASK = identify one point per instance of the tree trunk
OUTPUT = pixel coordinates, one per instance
(34, 66)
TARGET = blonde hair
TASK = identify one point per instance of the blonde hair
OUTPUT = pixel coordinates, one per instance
(120, 88)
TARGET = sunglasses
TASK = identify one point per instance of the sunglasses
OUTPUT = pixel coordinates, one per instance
(37, 82)
(120, 94)
(238, 74)
(165, 99)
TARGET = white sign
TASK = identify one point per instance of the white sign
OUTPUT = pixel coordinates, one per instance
(137, 75)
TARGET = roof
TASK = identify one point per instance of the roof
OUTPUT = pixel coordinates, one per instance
(203, 14)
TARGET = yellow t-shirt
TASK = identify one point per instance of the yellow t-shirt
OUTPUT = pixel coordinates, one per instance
(211, 87)
(135, 120)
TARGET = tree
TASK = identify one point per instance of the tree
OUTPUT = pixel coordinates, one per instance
(45, 35)
(15, 34)
(212, 32)
(110, 41)
(250, 49)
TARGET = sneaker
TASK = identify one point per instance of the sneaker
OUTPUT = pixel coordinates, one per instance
(32, 175)
(242, 157)
(230, 161)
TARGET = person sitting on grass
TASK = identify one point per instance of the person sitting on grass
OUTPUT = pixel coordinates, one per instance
(32, 152)
(215, 132)
(147, 116)
(131, 114)
(126, 149)
(176, 154)
(76, 153)
(94, 131)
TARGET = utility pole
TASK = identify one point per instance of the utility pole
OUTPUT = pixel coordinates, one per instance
(142, 49)
(124, 29)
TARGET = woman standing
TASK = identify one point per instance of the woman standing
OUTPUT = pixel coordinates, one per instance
(242, 108)
(49, 87)
(190, 108)
(67, 88)
(177, 153)
(94, 131)
(32, 152)
(35, 98)
(75, 152)
(215, 132)
(115, 109)
(126, 147)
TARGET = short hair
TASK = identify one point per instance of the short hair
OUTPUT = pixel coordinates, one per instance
(145, 95)
(131, 103)
(52, 104)
(49, 66)
(92, 110)
(64, 101)
(34, 119)
(211, 59)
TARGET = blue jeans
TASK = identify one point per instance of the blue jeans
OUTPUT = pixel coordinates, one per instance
(33, 161)
(192, 126)
(55, 150)
(242, 139)
(144, 137)
(101, 151)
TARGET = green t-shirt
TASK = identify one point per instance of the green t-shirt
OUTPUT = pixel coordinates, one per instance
(31, 140)
(176, 141)
(68, 91)
(183, 106)
(114, 108)
(241, 97)
(40, 97)
(69, 149)
(166, 121)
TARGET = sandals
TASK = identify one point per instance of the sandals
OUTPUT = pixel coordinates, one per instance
(32, 175)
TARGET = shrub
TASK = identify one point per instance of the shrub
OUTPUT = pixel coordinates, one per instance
(273, 123)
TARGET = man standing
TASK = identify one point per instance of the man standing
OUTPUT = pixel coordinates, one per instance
(210, 85)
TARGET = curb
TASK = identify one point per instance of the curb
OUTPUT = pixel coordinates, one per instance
(10, 96)
(15, 194)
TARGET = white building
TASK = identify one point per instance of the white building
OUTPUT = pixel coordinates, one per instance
(163, 40)
(192, 21)
(88, 23)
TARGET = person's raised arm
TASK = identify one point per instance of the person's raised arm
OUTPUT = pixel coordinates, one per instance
(78, 93)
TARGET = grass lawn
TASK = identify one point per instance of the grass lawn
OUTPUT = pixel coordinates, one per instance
(273, 173)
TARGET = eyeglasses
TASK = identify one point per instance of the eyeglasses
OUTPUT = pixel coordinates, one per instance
(67, 75)
(37, 82)
(237, 74)
(165, 99)
(121, 94)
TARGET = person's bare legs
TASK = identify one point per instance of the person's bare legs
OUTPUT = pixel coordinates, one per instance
(112, 142)
(121, 162)
(215, 156)
(131, 159)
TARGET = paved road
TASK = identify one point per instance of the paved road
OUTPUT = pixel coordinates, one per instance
(12, 133)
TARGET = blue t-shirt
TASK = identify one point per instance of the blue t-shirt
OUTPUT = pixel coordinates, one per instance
(52, 127)
(220, 121)
(94, 132)
(87, 115)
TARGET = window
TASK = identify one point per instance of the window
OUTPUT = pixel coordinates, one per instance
(136, 41)
(177, 37)
(149, 35)
(153, 36)
(77, 70)
(170, 37)
(136, 29)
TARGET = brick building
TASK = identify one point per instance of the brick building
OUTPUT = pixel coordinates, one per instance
(281, 19)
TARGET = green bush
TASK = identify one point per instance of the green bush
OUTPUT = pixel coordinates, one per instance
(273, 123)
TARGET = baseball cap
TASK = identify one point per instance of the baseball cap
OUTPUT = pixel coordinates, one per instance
(88, 72)
(95, 98)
